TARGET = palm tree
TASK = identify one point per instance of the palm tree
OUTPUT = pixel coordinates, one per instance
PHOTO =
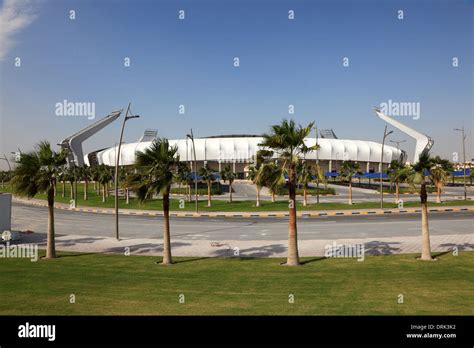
(70, 176)
(85, 174)
(348, 169)
(37, 171)
(257, 172)
(104, 176)
(439, 174)
(253, 175)
(287, 140)
(417, 176)
(124, 183)
(182, 176)
(305, 176)
(62, 178)
(398, 173)
(95, 172)
(208, 177)
(228, 175)
(157, 165)
(4, 176)
(272, 177)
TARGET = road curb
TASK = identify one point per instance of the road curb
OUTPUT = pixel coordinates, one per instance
(303, 214)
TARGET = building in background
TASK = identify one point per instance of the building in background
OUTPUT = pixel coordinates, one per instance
(240, 151)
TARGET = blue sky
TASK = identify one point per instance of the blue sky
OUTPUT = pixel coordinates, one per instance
(282, 62)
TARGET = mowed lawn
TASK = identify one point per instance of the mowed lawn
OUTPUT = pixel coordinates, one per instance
(126, 285)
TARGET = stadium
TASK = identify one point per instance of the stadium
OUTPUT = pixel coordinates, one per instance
(240, 150)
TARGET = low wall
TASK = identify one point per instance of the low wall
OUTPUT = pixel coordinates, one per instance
(5, 211)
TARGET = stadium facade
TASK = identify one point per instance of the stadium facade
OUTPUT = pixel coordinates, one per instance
(240, 151)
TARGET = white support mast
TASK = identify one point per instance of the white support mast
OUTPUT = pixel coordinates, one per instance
(423, 142)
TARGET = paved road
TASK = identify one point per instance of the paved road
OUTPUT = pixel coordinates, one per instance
(89, 224)
(246, 191)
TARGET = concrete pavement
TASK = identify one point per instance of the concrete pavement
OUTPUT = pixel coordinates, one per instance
(239, 248)
(327, 227)
(246, 237)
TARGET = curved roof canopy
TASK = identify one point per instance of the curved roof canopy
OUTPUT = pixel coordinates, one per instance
(243, 149)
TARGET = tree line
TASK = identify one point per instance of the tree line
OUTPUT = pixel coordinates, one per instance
(281, 164)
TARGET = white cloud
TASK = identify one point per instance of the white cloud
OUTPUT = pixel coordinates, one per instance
(15, 15)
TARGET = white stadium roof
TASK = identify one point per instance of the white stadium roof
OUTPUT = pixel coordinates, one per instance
(242, 149)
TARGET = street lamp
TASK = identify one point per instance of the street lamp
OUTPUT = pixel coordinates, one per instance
(191, 136)
(117, 159)
(317, 163)
(385, 134)
(464, 158)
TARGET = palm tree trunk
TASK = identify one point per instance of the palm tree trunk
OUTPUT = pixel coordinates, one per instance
(438, 195)
(127, 196)
(257, 204)
(107, 189)
(208, 194)
(425, 231)
(350, 190)
(230, 191)
(103, 193)
(86, 184)
(166, 230)
(397, 191)
(64, 189)
(273, 196)
(50, 244)
(72, 190)
(305, 199)
(293, 257)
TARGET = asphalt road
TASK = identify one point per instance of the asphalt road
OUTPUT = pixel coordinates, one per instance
(246, 191)
(35, 219)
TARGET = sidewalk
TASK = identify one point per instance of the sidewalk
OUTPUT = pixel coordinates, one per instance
(267, 214)
(231, 248)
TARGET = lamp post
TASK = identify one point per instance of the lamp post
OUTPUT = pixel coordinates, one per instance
(385, 134)
(117, 160)
(317, 164)
(188, 188)
(463, 158)
(191, 136)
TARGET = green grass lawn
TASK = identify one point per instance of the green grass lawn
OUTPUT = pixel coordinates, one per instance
(236, 206)
(121, 285)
